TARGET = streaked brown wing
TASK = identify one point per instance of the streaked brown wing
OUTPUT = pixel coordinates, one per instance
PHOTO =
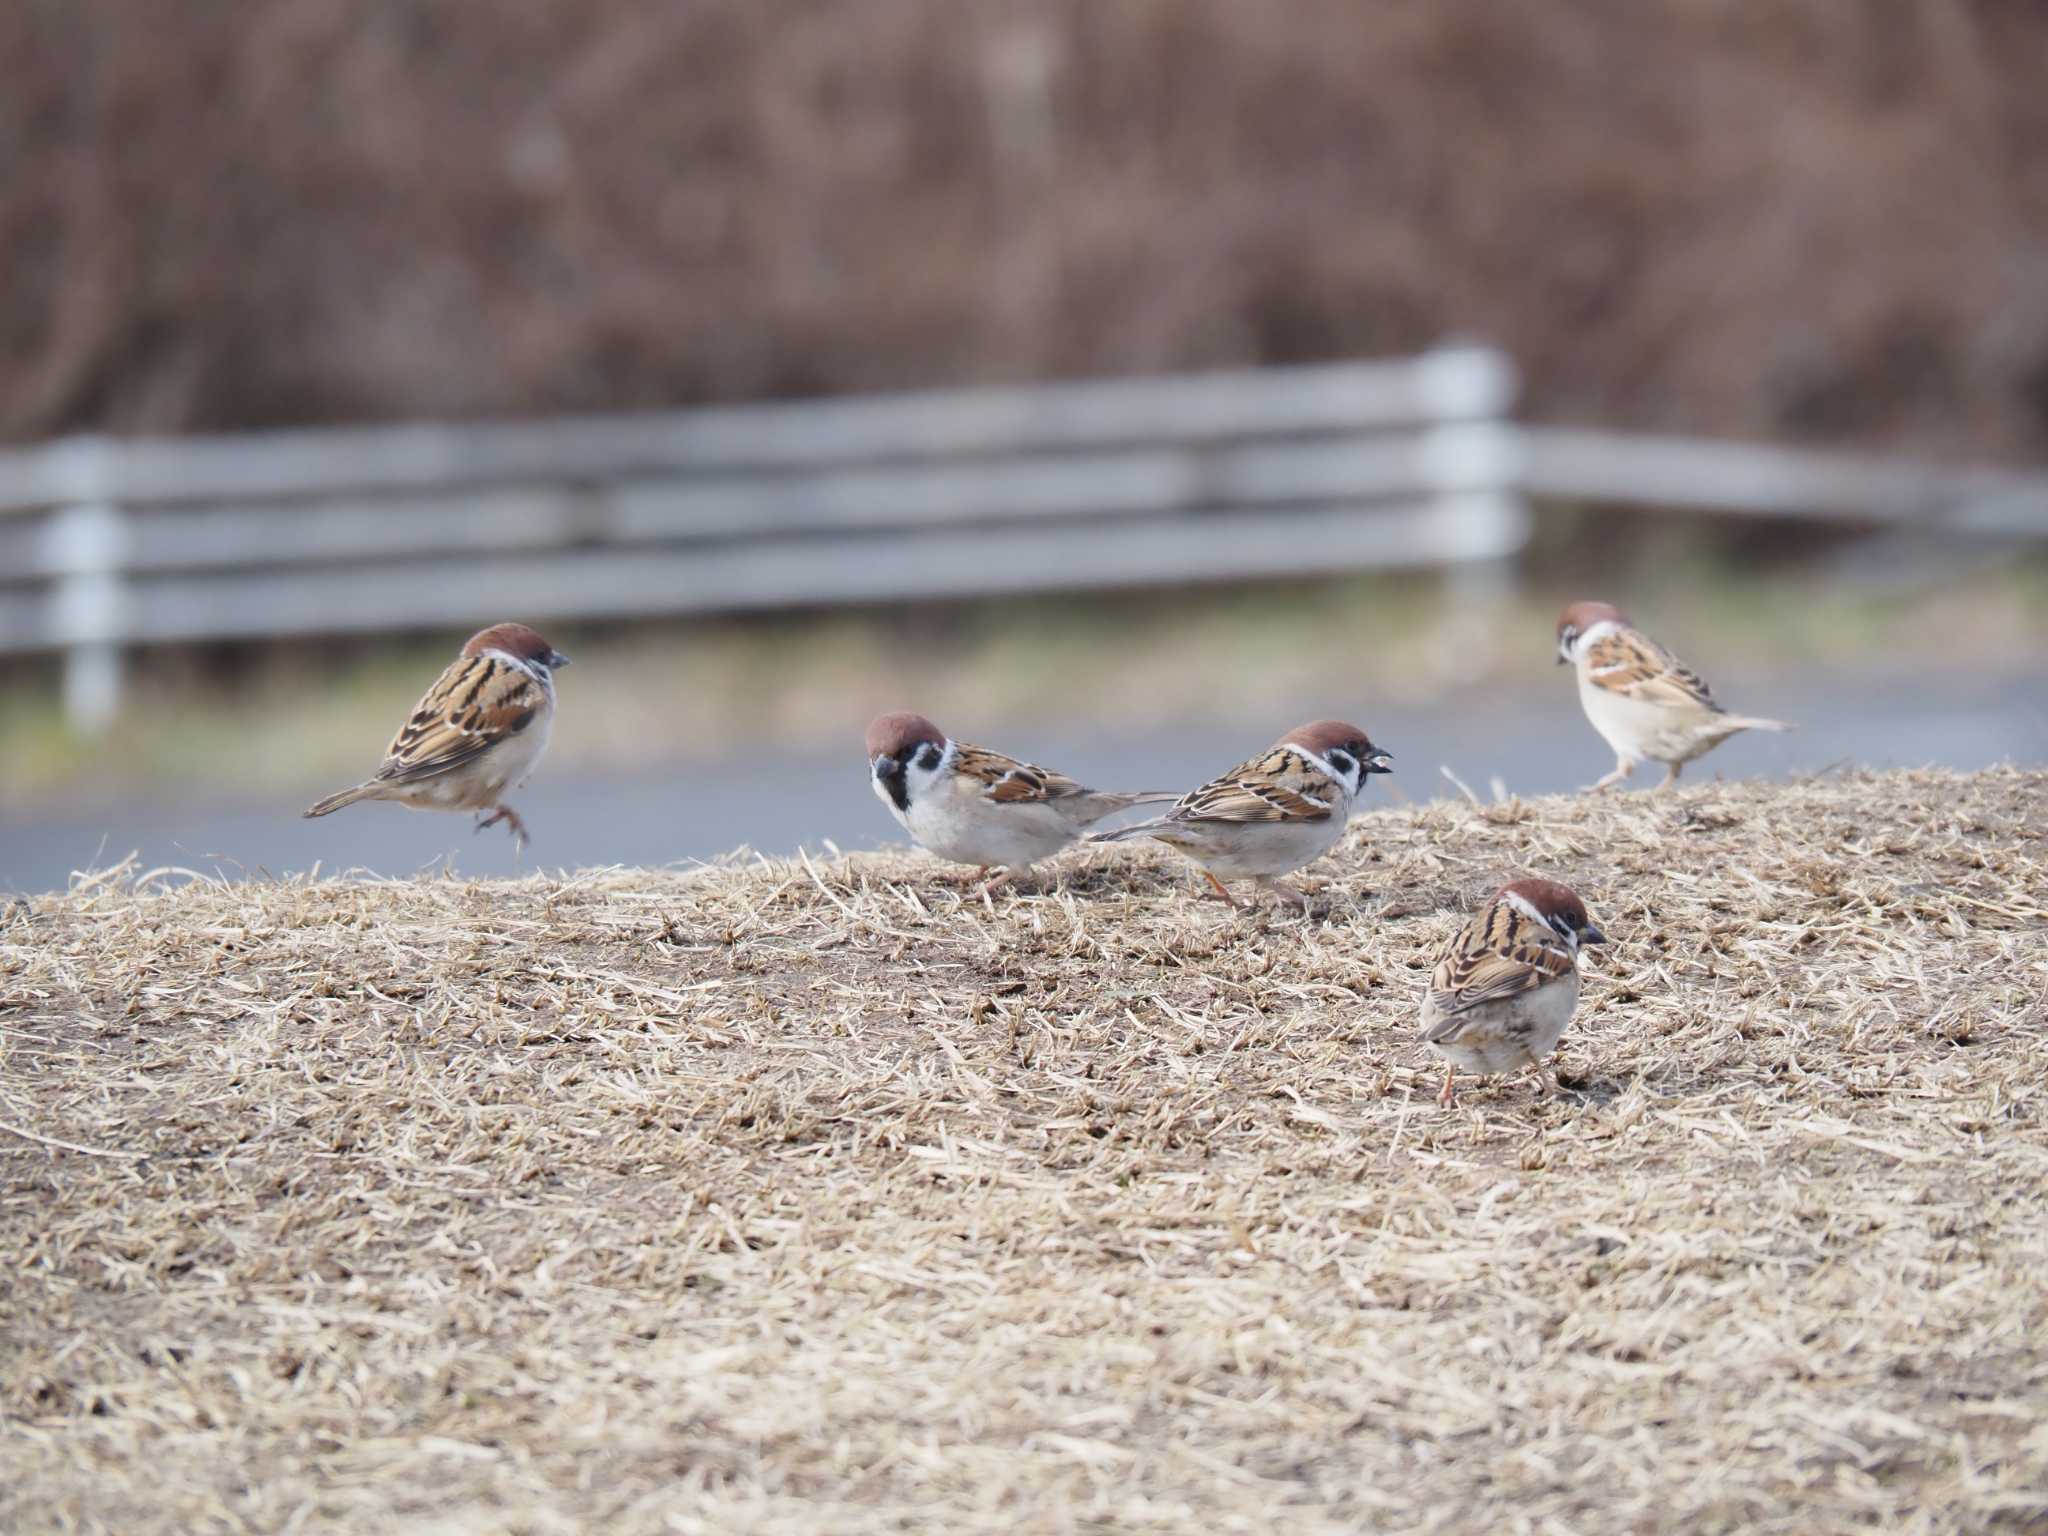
(1009, 781)
(1278, 785)
(477, 703)
(1499, 954)
(1636, 667)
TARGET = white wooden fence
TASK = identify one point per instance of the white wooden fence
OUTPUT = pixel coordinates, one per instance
(106, 545)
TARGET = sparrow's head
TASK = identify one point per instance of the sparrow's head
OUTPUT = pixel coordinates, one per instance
(904, 751)
(1556, 905)
(520, 643)
(1576, 620)
(1343, 749)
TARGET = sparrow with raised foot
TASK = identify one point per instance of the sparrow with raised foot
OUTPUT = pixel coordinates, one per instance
(478, 732)
(975, 806)
(1505, 986)
(1272, 814)
(1644, 700)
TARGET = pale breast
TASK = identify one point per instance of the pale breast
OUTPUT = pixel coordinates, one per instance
(1243, 850)
(955, 821)
(1511, 1033)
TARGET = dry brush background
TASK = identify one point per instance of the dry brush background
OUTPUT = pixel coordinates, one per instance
(808, 1196)
(1822, 218)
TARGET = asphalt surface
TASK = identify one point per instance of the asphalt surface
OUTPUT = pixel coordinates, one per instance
(774, 802)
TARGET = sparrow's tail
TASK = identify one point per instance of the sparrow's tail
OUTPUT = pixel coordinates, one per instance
(346, 797)
(1123, 800)
(1135, 829)
(1735, 723)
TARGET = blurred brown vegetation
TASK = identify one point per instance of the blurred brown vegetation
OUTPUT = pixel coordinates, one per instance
(1822, 218)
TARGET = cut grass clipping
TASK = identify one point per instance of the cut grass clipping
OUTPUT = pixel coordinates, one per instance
(822, 1195)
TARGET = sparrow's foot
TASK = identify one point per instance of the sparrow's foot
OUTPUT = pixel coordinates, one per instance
(1000, 879)
(512, 820)
(1670, 775)
(1621, 771)
(1447, 1095)
(1220, 891)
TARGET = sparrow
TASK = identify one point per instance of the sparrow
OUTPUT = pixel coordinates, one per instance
(1505, 986)
(479, 731)
(975, 806)
(1272, 814)
(1643, 699)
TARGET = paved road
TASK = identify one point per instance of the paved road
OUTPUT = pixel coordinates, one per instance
(775, 802)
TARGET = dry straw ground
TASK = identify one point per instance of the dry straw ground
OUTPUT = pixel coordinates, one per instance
(778, 1198)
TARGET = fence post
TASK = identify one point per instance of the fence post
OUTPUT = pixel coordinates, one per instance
(87, 544)
(1471, 458)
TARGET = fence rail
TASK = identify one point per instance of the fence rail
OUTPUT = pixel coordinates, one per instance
(106, 545)
(1761, 479)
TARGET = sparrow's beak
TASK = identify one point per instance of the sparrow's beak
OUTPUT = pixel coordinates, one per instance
(1562, 658)
(885, 767)
(556, 660)
(1591, 935)
(1379, 762)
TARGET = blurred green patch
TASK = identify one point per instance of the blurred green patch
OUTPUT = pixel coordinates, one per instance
(291, 720)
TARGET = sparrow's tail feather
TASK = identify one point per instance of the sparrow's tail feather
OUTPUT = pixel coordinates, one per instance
(1123, 800)
(347, 797)
(1751, 723)
(1135, 829)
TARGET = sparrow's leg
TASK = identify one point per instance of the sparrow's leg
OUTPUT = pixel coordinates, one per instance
(998, 880)
(1670, 775)
(1622, 769)
(1220, 891)
(1446, 1096)
(1283, 890)
(510, 817)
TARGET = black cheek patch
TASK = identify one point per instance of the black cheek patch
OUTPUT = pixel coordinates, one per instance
(899, 790)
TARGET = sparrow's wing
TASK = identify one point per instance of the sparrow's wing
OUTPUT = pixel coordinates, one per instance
(1498, 955)
(1278, 785)
(1636, 667)
(1009, 782)
(477, 703)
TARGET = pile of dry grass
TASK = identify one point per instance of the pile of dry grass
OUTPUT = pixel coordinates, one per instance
(795, 1197)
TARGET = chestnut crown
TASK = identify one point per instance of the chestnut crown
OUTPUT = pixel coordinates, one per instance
(1344, 747)
(516, 640)
(899, 735)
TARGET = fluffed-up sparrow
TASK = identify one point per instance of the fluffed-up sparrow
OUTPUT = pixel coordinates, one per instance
(1272, 814)
(1644, 700)
(975, 806)
(478, 732)
(1505, 986)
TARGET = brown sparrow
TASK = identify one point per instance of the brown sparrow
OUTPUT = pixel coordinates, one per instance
(975, 806)
(1272, 814)
(1505, 986)
(1644, 700)
(479, 731)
